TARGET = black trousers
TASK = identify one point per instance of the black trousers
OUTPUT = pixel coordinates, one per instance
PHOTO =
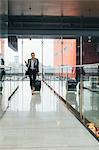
(32, 76)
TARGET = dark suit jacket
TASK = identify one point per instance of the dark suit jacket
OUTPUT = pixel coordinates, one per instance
(36, 64)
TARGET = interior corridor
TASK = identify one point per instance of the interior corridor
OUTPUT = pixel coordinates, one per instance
(42, 122)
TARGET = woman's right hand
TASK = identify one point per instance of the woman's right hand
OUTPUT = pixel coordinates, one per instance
(26, 63)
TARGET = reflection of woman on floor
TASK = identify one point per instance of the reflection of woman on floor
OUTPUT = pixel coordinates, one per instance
(35, 101)
(1, 105)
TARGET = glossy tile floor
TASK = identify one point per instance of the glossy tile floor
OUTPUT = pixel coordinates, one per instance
(41, 122)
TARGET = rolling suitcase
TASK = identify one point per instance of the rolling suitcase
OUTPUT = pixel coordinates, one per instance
(37, 85)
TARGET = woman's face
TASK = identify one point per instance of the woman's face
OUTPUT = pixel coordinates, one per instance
(33, 55)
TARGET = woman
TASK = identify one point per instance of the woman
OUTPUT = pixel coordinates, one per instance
(33, 69)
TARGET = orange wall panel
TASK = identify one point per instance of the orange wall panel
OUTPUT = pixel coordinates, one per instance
(69, 52)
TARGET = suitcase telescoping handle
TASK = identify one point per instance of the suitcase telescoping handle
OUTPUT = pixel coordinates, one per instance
(38, 77)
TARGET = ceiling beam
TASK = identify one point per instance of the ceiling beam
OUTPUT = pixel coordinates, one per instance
(38, 26)
(53, 25)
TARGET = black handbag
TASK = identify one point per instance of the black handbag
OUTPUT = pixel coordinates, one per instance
(27, 72)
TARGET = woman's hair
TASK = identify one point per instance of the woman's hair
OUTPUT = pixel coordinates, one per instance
(32, 53)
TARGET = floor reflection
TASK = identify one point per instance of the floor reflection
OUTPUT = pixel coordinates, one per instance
(43, 101)
(35, 101)
(1, 110)
(3, 104)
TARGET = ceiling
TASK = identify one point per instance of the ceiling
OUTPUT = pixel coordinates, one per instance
(54, 7)
(47, 17)
(50, 7)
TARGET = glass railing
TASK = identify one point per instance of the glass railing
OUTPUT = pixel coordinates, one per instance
(79, 87)
(9, 78)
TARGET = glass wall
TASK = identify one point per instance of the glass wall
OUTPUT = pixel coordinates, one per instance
(75, 77)
(9, 76)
